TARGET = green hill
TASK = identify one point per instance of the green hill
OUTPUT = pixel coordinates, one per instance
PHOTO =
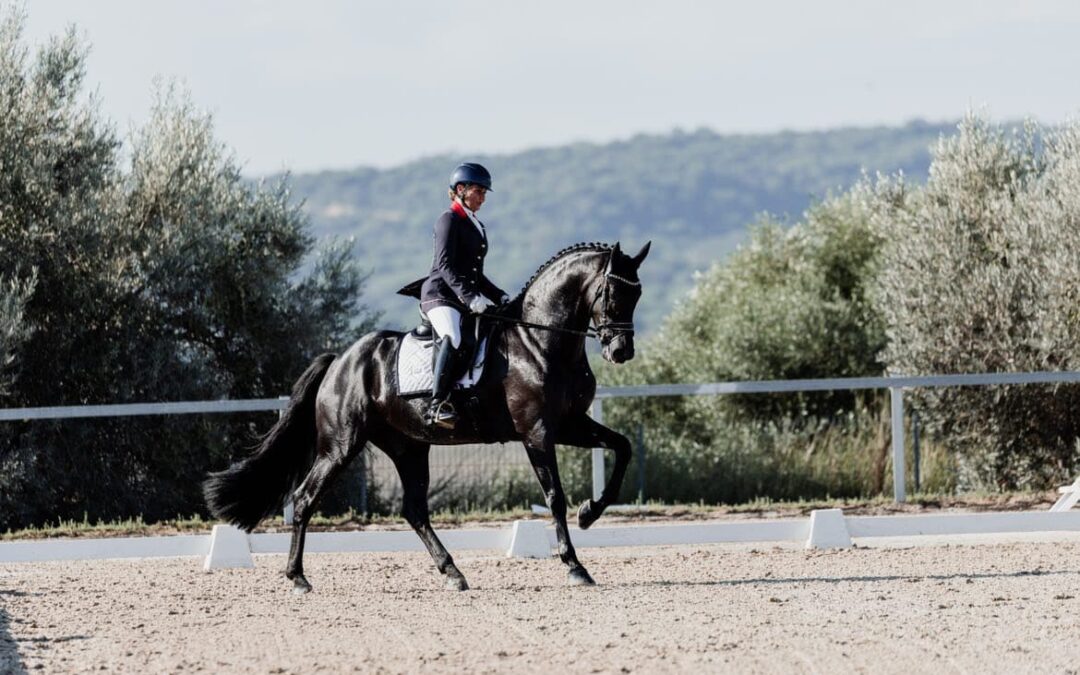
(692, 194)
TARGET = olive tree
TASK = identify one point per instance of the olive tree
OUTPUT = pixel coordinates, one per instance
(145, 271)
(13, 329)
(793, 303)
(981, 274)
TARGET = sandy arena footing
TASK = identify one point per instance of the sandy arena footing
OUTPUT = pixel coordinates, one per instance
(990, 607)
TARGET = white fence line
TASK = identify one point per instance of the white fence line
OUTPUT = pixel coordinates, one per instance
(829, 528)
(792, 386)
(136, 409)
(39, 550)
(823, 529)
(895, 385)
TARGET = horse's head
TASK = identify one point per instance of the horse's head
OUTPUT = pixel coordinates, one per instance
(613, 306)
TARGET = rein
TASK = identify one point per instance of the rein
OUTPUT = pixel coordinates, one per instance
(590, 333)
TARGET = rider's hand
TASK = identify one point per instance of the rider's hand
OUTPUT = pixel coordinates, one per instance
(479, 304)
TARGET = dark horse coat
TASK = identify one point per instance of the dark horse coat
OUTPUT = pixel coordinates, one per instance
(536, 388)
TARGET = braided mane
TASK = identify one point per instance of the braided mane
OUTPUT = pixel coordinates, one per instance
(583, 246)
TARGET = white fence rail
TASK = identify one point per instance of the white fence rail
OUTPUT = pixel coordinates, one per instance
(227, 546)
(895, 385)
(136, 409)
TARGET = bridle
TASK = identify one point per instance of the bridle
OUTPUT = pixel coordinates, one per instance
(605, 331)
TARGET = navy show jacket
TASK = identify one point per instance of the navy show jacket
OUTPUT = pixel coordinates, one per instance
(457, 263)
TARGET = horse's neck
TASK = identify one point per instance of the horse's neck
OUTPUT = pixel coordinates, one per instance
(560, 297)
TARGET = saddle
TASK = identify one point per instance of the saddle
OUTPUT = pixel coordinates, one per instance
(416, 354)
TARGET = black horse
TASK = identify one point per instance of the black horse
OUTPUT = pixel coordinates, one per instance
(536, 388)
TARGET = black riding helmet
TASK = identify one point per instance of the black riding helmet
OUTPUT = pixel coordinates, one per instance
(471, 174)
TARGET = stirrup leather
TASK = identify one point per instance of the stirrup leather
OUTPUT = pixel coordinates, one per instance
(442, 414)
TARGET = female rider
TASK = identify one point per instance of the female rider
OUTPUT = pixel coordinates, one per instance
(456, 289)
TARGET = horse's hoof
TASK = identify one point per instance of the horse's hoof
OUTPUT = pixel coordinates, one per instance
(457, 583)
(301, 586)
(579, 577)
(587, 514)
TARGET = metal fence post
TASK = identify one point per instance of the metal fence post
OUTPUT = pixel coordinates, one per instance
(897, 396)
(915, 448)
(641, 463)
(363, 481)
(597, 453)
(288, 512)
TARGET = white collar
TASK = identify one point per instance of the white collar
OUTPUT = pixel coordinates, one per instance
(472, 217)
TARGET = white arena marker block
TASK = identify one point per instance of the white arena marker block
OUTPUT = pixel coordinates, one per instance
(228, 548)
(1070, 494)
(828, 529)
(529, 539)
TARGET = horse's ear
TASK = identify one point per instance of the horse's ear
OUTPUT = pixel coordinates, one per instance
(640, 257)
(616, 248)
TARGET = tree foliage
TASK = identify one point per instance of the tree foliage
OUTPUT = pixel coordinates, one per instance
(170, 278)
(981, 274)
(13, 329)
(976, 271)
(792, 304)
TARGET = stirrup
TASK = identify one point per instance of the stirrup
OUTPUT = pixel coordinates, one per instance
(442, 414)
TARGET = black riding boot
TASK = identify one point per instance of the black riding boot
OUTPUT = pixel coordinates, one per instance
(440, 411)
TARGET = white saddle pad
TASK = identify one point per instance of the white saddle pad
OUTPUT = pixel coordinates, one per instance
(414, 367)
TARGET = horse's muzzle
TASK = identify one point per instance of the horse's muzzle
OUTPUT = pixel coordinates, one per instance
(619, 350)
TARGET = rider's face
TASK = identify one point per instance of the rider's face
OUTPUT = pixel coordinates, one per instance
(473, 196)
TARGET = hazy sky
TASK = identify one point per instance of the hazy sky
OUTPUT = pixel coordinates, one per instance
(335, 84)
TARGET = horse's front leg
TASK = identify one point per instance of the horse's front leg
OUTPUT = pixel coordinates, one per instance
(542, 456)
(585, 432)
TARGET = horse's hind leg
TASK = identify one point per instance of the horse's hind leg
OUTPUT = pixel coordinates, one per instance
(332, 454)
(411, 459)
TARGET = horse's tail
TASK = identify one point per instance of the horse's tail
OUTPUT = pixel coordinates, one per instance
(256, 486)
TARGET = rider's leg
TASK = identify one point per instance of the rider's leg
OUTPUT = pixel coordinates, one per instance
(447, 324)
(440, 411)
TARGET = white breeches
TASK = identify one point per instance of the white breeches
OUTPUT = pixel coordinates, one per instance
(447, 323)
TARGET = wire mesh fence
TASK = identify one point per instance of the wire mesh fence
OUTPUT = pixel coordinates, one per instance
(153, 464)
(463, 477)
